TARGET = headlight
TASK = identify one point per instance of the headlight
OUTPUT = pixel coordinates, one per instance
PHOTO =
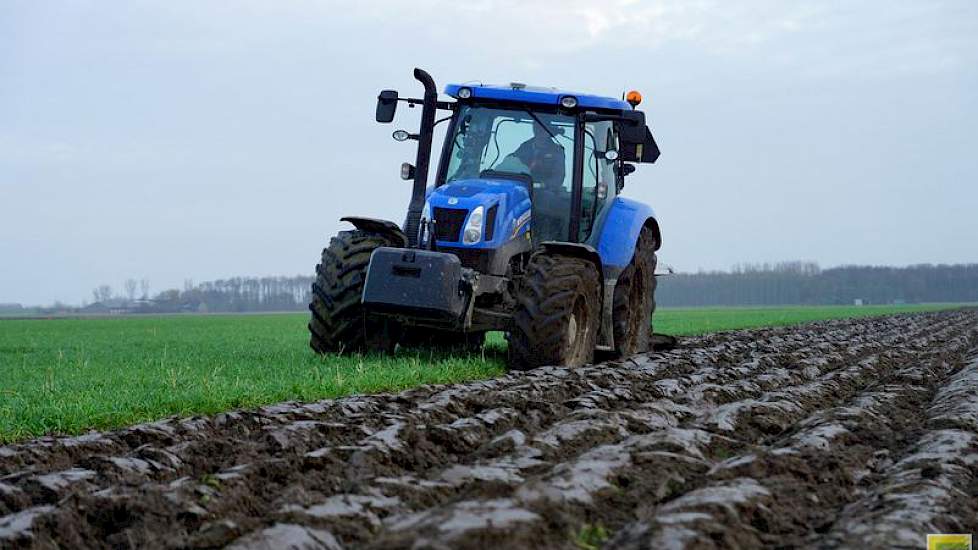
(568, 101)
(464, 93)
(473, 228)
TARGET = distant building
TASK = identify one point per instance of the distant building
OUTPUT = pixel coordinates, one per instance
(11, 308)
(857, 302)
(118, 306)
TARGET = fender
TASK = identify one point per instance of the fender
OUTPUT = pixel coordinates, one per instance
(577, 250)
(619, 232)
(620, 226)
(380, 227)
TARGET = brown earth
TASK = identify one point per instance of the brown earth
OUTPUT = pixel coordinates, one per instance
(859, 433)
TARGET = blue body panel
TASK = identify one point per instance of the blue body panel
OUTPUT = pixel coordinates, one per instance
(513, 200)
(536, 95)
(615, 239)
(618, 235)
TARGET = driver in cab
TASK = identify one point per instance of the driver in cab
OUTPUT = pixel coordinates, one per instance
(544, 157)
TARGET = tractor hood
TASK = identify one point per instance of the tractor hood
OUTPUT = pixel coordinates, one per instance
(505, 211)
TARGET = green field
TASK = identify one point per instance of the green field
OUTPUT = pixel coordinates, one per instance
(67, 376)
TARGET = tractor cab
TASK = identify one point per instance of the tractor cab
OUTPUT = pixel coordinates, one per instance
(524, 203)
(562, 147)
(517, 157)
(533, 152)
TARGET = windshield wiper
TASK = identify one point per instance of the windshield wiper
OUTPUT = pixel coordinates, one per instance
(542, 125)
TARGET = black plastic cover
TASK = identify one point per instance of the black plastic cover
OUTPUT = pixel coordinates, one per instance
(415, 283)
(637, 143)
(386, 105)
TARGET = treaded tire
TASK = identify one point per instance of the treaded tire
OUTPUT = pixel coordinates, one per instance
(634, 300)
(338, 323)
(558, 313)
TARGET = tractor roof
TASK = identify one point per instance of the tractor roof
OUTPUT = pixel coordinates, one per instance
(520, 93)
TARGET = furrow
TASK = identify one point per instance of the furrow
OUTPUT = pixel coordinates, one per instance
(790, 491)
(701, 441)
(931, 489)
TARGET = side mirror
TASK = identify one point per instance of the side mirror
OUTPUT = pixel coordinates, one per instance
(633, 127)
(386, 105)
(637, 143)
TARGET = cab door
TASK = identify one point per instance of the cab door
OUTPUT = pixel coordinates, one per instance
(600, 176)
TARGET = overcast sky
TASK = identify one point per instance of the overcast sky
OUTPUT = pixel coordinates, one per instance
(185, 139)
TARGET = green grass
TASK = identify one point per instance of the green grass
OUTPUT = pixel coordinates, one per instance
(66, 376)
(70, 375)
(591, 537)
(690, 321)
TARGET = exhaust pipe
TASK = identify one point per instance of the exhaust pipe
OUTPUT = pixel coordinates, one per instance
(429, 106)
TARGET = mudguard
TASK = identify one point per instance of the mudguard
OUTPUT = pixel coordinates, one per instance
(576, 250)
(619, 232)
(615, 242)
(381, 227)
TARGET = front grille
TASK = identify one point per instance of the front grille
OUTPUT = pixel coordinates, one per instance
(448, 223)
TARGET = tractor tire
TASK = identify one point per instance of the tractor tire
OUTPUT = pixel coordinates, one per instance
(557, 314)
(447, 340)
(634, 301)
(339, 323)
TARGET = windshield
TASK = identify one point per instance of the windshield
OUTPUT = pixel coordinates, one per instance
(534, 148)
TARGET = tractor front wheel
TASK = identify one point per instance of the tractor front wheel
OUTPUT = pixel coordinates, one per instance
(339, 323)
(557, 314)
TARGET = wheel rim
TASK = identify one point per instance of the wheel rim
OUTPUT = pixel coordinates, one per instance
(572, 330)
(577, 327)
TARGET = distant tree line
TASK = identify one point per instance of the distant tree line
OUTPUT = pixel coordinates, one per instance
(806, 284)
(238, 294)
(788, 283)
(785, 283)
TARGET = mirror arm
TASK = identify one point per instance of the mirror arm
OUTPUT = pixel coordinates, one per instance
(445, 105)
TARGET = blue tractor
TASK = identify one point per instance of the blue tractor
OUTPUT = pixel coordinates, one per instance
(523, 231)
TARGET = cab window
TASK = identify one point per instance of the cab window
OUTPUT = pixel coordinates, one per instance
(599, 175)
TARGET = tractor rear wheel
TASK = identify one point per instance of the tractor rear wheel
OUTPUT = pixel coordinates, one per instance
(339, 323)
(634, 300)
(557, 314)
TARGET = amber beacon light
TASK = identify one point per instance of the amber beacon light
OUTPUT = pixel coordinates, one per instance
(633, 98)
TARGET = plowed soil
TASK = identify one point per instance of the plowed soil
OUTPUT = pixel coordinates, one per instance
(860, 433)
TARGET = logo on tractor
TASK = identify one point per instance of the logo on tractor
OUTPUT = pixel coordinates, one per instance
(518, 223)
(452, 200)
